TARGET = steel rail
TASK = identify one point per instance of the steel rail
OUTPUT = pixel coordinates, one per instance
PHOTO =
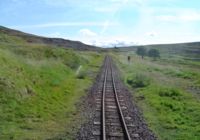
(122, 120)
(127, 135)
(103, 127)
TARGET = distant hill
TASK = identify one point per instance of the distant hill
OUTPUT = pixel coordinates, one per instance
(191, 50)
(34, 39)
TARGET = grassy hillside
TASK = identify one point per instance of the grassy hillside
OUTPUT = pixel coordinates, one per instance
(58, 42)
(185, 51)
(168, 93)
(40, 87)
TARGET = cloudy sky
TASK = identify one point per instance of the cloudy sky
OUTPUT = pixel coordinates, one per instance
(103, 22)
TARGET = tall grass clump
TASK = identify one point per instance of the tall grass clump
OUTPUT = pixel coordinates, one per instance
(138, 81)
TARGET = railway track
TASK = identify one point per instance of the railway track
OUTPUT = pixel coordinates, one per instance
(111, 112)
(112, 121)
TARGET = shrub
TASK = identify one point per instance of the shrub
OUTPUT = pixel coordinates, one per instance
(49, 53)
(138, 81)
(171, 105)
(141, 51)
(72, 60)
(82, 75)
(72, 63)
(154, 53)
(172, 93)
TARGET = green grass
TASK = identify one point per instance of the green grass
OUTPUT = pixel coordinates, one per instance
(40, 89)
(167, 91)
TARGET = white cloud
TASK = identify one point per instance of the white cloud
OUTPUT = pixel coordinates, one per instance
(120, 1)
(113, 9)
(190, 16)
(110, 41)
(105, 9)
(59, 3)
(87, 33)
(105, 26)
(151, 34)
(166, 17)
(74, 3)
(63, 24)
(181, 15)
(155, 23)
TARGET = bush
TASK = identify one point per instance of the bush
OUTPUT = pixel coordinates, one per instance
(154, 53)
(172, 93)
(73, 64)
(173, 106)
(181, 74)
(141, 51)
(138, 81)
(72, 60)
(49, 53)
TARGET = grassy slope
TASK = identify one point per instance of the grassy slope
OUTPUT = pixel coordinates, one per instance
(169, 97)
(39, 88)
(185, 51)
(58, 42)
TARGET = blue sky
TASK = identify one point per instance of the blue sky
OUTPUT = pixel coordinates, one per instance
(105, 22)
